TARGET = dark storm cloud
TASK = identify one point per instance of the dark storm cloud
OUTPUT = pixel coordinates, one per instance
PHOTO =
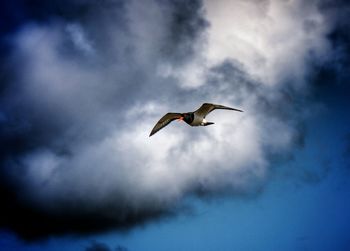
(340, 41)
(35, 119)
(346, 152)
(100, 246)
(83, 84)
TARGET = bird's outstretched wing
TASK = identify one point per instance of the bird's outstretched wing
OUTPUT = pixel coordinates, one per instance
(164, 121)
(206, 108)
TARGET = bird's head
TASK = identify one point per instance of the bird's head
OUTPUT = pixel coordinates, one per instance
(187, 117)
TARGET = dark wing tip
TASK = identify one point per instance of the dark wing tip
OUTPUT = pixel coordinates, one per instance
(153, 132)
(228, 108)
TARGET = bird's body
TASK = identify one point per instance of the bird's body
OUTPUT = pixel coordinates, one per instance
(196, 118)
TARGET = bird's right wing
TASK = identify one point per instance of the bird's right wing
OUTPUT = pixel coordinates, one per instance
(164, 121)
(206, 108)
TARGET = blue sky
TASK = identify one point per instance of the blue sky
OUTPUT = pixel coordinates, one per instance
(84, 82)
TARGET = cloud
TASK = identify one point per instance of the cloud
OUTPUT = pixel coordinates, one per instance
(100, 246)
(346, 152)
(97, 246)
(273, 39)
(88, 84)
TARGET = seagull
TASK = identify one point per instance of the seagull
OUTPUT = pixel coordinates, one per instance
(196, 118)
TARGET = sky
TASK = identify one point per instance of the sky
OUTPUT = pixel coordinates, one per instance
(83, 82)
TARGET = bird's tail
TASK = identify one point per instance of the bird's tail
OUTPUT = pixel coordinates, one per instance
(208, 123)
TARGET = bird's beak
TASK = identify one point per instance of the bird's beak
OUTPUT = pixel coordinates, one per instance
(180, 119)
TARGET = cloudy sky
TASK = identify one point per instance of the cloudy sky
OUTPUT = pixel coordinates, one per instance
(83, 82)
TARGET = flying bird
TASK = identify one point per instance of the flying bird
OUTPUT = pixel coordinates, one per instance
(196, 118)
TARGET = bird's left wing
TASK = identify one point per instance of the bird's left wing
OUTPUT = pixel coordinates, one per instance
(164, 121)
(206, 108)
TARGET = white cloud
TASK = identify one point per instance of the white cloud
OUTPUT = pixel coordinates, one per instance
(273, 39)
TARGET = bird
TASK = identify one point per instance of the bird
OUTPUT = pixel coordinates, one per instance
(196, 118)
